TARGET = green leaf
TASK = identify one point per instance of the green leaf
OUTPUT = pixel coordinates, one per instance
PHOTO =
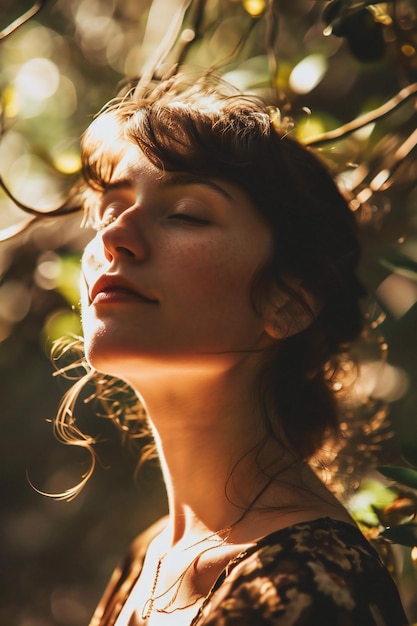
(404, 534)
(403, 475)
(364, 35)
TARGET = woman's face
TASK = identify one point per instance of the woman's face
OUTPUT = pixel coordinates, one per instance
(167, 281)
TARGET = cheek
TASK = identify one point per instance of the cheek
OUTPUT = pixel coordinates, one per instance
(93, 257)
(218, 276)
(84, 301)
(91, 265)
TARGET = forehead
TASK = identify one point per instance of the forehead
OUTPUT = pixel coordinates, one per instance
(135, 168)
(232, 206)
(133, 164)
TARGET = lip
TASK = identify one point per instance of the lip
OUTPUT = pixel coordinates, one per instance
(115, 288)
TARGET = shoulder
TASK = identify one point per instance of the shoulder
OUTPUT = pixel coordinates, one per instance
(124, 577)
(311, 573)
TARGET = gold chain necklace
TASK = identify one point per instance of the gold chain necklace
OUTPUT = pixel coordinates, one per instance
(149, 605)
(175, 587)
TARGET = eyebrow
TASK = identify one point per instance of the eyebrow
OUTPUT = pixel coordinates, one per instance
(185, 178)
(176, 179)
(122, 183)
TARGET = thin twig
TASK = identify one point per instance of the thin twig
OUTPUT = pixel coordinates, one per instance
(163, 49)
(9, 232)
(368, 118)
(386, 177)
(62, 209)
(18, 22)
(196, 27)
(271, 36)
(236, 50)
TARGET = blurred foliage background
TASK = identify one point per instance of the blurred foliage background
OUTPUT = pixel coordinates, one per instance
(325, 66)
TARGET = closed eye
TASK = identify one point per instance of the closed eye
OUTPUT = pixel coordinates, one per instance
(107, 217)
(186, 217)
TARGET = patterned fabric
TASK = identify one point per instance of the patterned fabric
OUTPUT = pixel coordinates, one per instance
(320, 573)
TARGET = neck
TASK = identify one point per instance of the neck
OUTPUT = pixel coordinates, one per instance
(210, 438)
(206, 424)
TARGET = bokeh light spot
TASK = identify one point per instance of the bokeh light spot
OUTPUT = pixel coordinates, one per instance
(254, 7)
(10, 101)
(68, 162)
(371, 494)
(14, 301)
(309, 127)
(37, 79)
(398, 294)
(379, 379)
(308, 73)
(187, 35)
(61, 324)
(48, 270)
(408, 50)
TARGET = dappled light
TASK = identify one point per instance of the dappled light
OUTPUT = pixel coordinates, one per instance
(344, 82)
(308, 73)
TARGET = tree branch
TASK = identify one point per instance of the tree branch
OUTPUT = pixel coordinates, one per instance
(18, 22)
(368, 118)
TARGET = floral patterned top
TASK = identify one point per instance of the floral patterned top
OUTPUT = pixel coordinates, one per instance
(319, 573)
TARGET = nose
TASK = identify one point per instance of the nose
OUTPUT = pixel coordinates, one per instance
(125, 236)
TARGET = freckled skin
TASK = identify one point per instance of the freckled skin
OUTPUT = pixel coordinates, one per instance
(191, 347)
(200, 273)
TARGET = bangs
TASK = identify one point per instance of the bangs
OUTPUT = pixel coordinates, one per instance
(203, 137)
(207, 134)
(102, 148)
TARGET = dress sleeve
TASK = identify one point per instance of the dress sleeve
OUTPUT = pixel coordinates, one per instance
(123, 578)
(276, 587)
(119, 587)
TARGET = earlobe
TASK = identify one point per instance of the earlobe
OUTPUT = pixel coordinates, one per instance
(287, 313)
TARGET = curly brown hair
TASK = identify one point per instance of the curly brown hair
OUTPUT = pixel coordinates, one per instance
(209, 129)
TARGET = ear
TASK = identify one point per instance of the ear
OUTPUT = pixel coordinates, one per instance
(288, 312)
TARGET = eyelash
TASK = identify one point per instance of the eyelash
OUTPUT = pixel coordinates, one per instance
(188, 218)
(102, 221)
(102, 224)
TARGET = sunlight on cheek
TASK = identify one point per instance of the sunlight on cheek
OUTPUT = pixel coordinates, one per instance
(87, 313)
(86, 321)
(84, 298)
(93, 264)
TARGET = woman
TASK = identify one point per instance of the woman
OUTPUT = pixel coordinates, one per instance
(221, 286)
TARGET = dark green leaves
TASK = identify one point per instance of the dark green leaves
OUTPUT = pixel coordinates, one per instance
(403, 475)
(363, 33)
(404, 534)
